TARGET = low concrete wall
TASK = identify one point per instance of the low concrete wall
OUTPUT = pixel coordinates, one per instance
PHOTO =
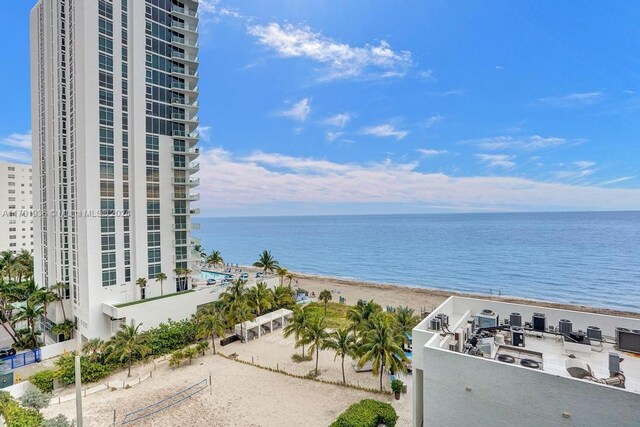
(17, 390)
(53, 350)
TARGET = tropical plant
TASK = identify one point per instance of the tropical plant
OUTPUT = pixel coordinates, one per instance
(281, 272)
(90, 371)
(343, 343)
(44, 380)
(211, 324)
(15, 415)
(200, 251)
(325, 296)
(127, 344)
(7, 264)
(405, 320)
(30, 313)
(142, 283)
(202, 347)
(161, 277)
(283, 297)
(266, 262)
(316, 337)
(61, 289)
(396, 387)
(260, 298)
(215, 258)
(190, 353)
(35, 399)
(171, 335)
(367, 413)
(297, 326)
(23, 266)
(381, 345)
(58, 421)
(93, 348)
(43, 297)
(176, 359)
(242, 313)
(361, 313)
(65, 328)
(289, 276)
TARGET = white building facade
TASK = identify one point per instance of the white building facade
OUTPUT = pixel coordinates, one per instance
(528, 366)
(16, 224)
(114, 118)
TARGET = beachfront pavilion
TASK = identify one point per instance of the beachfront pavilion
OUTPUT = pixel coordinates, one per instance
(270, 321)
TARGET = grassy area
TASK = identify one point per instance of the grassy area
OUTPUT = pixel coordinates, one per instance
(336, 313)
(127, 304)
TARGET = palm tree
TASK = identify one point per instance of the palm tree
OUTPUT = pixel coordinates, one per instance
(7, 264)
(242, 313)
(7, 298)
(235, 293)
(211, 324)
(281, 272)
(381, 345)
(297, 326)
(405, 321)
(190, 353)
(161, 277)
(283, 297)
(44, 297)
(127, 344)
(266, 262)
(360, 314)
(29, 312)
(176, 358)
(200, 251)
(325, 296)
(215, 258)
(316, 336)
(260, 298)
(61, 289)
(142, 282)
(289, 276)
(343, 343)
(24, 265)
(202, 347)
(65, 328)
(93, 348)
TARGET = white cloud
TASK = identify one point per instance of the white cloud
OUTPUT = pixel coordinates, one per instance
(528, 143)
(431, 121)
(573, 99)
(497, 160)
(339, 120)
(205, 133)
(430, 152)
(299, 111)
(385, 130)
(332, 136)
(18, 140)
(455, 92)
(238, 184)
(15, 156)
(584, 164)
(339, 59)
(617, 180)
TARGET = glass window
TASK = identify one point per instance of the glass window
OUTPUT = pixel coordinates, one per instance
(106, 171)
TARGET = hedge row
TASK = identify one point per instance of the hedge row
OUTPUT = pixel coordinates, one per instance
(15, 415)
(367, 413)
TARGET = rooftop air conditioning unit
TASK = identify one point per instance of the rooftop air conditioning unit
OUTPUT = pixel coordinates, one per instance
(539, 322)
(487, 319)
(628, 340)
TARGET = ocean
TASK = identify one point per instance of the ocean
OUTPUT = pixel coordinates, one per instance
(590, 258)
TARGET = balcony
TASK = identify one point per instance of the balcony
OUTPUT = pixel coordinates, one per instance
(184, 26)
(194, 211)
(185, 118)
(175, 211)
(184, 11)
(180, 227)
(192, 182)
(188, 57)
(195, 226)
(185, 72)
(185, 41)
(184, 86)
(186, 102)
(185, 134)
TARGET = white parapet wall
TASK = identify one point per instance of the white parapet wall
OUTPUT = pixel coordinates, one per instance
(18, 389)
(179, 306)
(53, 350)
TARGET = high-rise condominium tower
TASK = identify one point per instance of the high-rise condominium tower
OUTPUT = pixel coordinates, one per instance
(114, 116)
(16, 227)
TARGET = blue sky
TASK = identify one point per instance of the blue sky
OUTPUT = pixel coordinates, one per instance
(421, 106)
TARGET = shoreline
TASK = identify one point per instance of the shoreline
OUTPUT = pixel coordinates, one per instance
(432, 297)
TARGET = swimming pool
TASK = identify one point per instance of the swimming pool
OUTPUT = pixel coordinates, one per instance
(208, 274)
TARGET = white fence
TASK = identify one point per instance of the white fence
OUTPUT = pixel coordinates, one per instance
(53, 350)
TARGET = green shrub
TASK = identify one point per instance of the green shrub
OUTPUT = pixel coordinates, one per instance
(91, 371)
(17, 416)
(367, 413)
(59, 421)
(171, 336)
(44, 380)
(35, 399)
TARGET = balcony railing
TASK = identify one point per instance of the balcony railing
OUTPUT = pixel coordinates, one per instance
(185, 102)
(184, 134)
(185, 41)
(184, 11)
(186, 56)
(184, 26)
